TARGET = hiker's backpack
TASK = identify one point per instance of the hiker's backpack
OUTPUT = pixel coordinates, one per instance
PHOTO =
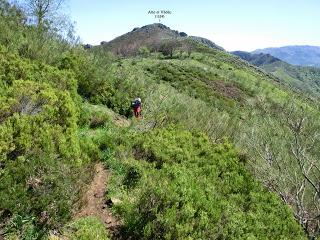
(136, 104)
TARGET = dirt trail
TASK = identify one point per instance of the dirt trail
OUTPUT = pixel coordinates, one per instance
(95, 203)
(118, 119)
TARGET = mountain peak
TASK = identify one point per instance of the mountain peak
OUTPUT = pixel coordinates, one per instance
(151, 36)
(159, 27)
(155, 25)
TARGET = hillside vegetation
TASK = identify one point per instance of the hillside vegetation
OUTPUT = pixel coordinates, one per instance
(223, 151)
(213, 92)
(300, 78)
(176, 184)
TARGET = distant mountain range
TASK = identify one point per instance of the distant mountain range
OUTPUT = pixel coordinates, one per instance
(295, 55)
(303, 78)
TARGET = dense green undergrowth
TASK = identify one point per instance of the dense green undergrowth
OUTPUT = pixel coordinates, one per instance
(43, 161)
(209, 92)
(171, 183)
(176, 184)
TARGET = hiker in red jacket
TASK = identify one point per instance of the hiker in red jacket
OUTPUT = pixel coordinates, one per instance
(136, 105)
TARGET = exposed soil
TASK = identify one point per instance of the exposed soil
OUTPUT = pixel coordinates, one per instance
(228, 90)
(94, 202)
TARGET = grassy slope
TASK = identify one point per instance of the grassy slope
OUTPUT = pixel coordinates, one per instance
(305, 79)
(302, 79)
(225, 97)
(210, 91)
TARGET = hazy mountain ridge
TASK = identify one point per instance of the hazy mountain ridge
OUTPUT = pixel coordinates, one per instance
(303, 55)
(257, 59)
(302, 78)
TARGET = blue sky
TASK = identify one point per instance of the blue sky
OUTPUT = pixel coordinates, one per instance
(232, 24)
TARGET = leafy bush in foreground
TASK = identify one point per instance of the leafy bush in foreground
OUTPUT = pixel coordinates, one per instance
(193, 189)
(42, 160)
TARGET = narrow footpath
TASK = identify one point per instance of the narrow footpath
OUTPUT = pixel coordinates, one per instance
(95, 203)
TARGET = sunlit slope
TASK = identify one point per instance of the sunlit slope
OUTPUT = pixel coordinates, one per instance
(227, 98)
(304, 79)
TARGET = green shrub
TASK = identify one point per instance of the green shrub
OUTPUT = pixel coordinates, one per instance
(132, 177)
(15, 68)
(98, 120)
(144, 51)
(85, 73)
(43, 163)
(198, 190)
(23, 38)
(22, 228)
